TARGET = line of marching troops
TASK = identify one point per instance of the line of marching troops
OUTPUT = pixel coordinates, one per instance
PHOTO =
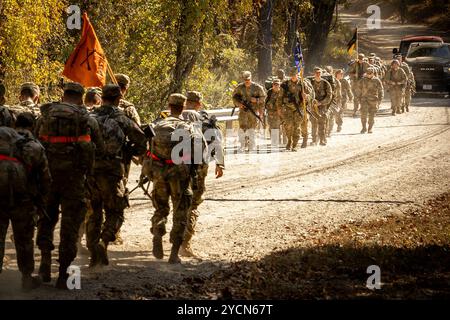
(62, 159)
(70, 159)
(322, 99)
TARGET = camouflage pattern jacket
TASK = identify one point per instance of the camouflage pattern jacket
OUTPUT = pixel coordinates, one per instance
(357, 70)
(323, 92)
(346, 91)
(290, 92)
(372, 89)
(395, 78)
(271, 101)
(130, 111)
(254, 91)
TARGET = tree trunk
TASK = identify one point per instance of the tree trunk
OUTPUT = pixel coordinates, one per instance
(318, 31)
(291, 33)
(265, 40)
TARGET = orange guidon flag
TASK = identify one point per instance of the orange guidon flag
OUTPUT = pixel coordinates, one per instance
(87, 64)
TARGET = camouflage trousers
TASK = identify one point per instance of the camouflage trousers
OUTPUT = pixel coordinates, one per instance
(294, 126)
(335, 117)
(247, 128)
(170, 182)
(23, 220)
(274, 122)
(368, 111)
(197, 199)
(108, 194)
(319, 127)
(67, 192)
(396, 94)
(357, 92)
(407, 97)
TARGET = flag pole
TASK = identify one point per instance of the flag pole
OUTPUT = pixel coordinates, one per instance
(110, 72)
(357, 44)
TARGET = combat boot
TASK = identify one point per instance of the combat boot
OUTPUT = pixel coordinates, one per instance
(29, 283)
(45, 268)
(403, 109)
(364, 125)
(61, 282)
(407, 109)
(186, 250)
(339, 129)
(94, 260)
(119, 240)
(304, 143)
(294, 146)
(393, 112)
(102, 251)
(174, 258)
(370, 127)
(158, 252)
(288, 145)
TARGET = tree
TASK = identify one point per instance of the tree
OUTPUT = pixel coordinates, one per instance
(265, 40)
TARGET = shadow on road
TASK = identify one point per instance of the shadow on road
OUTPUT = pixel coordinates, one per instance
(311, 200)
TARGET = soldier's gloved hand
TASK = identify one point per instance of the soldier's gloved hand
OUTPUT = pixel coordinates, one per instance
(219, 171)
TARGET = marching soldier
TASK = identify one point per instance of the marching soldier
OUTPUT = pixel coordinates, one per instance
(291, 100)
(323, 94)
(356, 72)
(215, 149)
(335, 100)
(29, 100)
(107, 182)
(396, 80)
(346, 95)
(410, 88)
(127, 107)
(372, 94)
(273, 110)
(171, 177)
(6, 117)
(246, 95)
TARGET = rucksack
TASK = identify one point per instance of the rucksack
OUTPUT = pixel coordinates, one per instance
(65, 134)
(113, 135)
(13, 172)
(269, 81)
(163, 143)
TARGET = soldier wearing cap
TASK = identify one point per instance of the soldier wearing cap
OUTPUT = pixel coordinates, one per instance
(346, 95)
(203, 125)
(291, 100)
(252, 94)
(70, 137)
(130, 110)
(273, 109)
(396, 80)
(29, 100)
(171, 176)
(410, 88)
(281, 75)
(356, 73)
(323, 94)
(107, 181)
(93, 98)
(372, 95)
(335, 116)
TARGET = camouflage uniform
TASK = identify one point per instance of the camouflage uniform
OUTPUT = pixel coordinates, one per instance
(323, 94)
(291, 92)
(247, 121)
(273, 112)
(346, 93)
(336, 100)
(69, 136)
(202, 170)
(356, 72)
(396, 82)
(372, 93)
(24, 184)
(410, 86)
(107, 182)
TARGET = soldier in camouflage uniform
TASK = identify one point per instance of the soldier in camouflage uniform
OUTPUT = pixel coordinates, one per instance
(273, 110)
(70, 137)
(107, 181)
(323, 94)
(29, 99)
(127, 107)
(291, 97)
(336, 100)
(171, 176)
(253, 94)
(93, 98)
(372, 94)
(24, 186)
(410, 84)
(356, 72)
(214, 137)
(395, 81)
(346, 95)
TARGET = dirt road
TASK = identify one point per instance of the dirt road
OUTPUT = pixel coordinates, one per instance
(266, 202)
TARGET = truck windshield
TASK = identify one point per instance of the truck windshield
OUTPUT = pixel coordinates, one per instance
(440, 52)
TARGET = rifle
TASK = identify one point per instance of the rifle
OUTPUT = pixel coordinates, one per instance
(247, 107)
(142, 181)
